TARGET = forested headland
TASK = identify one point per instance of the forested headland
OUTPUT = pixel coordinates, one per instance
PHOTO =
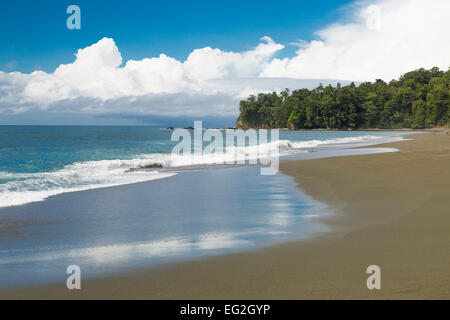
(419, 99)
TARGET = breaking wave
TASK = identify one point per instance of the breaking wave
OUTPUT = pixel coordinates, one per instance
(22, 188)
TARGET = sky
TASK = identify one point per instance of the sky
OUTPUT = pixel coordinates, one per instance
(34, 34)
(169, 62)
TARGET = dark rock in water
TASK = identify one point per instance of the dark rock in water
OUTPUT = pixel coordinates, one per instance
(146, 167)
(190, 128)
(170, 128)
(152, 166)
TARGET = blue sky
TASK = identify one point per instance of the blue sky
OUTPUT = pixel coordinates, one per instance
(34, 35)
(170, 62)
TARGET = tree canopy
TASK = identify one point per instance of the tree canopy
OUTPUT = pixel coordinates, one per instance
(419, 99)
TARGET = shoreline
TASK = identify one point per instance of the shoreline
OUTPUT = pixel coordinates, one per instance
(159, 165)
(436, 129)
(412, 250)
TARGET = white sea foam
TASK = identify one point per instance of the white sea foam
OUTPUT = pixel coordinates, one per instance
(76, 177)
(24, 188)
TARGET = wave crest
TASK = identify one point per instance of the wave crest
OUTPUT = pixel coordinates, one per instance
(22, 188)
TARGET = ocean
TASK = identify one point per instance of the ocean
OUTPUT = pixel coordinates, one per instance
(67, 197)
(40, 161)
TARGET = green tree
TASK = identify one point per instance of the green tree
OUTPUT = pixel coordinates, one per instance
(419, 99)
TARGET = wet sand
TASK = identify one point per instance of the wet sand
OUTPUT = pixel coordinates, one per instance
(390, 210)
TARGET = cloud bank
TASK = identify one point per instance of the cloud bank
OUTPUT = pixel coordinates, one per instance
(98, 82)
(385, 39)
(382, 39)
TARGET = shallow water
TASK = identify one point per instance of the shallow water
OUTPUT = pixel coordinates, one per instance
(37, 162)
(184, 214)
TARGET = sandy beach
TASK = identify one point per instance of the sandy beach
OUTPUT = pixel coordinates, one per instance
(390, 210)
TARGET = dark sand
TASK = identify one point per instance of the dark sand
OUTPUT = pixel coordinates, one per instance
(391, 210)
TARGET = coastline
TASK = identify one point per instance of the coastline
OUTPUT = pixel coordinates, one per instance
(412, 249)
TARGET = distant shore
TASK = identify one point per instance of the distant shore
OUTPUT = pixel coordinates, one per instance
(437, 129)
(391, 210)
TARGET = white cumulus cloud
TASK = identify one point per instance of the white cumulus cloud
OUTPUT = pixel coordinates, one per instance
(381, 39)
(98, 79)
(385, 39)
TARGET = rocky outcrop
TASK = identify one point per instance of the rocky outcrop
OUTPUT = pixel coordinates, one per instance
(241, 125)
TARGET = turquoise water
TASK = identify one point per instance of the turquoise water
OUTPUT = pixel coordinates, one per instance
(37, 161)
(144, 218)
(32, 149)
